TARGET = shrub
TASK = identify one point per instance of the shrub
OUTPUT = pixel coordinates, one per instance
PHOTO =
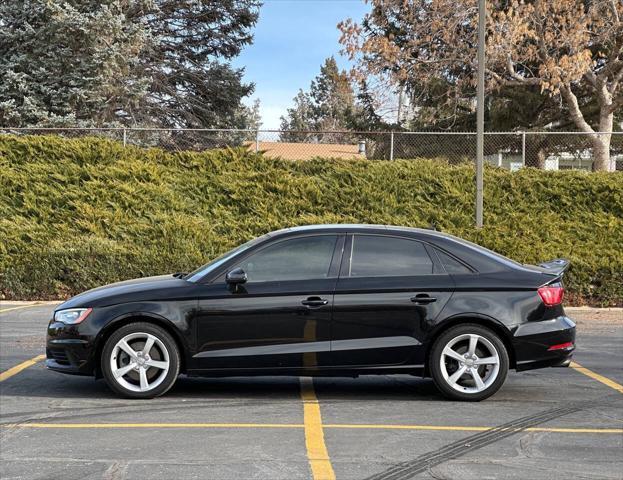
(75, 214)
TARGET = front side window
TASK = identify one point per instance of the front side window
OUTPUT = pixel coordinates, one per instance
(302, 258)
(209, 267)
(381, 256)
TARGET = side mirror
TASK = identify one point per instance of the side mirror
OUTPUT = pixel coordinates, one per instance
(236, 276)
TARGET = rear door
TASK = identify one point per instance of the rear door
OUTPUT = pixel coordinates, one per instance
(390, 291)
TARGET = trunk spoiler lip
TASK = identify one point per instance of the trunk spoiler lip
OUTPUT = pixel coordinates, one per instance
(556, 267)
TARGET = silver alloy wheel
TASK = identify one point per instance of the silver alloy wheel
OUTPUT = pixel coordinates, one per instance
(474, 363)
(148, 372)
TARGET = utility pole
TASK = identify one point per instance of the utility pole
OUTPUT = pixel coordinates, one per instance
(480, 112)
(399, 114)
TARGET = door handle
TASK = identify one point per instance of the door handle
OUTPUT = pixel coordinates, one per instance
(423, 299)
(315, 302)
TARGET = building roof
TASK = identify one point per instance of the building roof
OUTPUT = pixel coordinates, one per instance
(307, 151)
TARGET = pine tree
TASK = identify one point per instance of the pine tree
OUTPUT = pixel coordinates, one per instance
(161, 63)
(193, 85)
(68, 63)
(329, 106)
(299, 119)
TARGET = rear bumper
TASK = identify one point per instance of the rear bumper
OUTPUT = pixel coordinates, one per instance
(532, 341)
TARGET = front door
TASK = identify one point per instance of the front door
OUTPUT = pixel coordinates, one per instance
(279, 318)
(389, 293)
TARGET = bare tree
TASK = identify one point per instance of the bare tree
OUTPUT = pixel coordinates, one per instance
(570, 49)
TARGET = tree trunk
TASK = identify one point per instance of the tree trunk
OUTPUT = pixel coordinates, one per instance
(601, 153)
(541, 157)
(536, 151)
(601, 142)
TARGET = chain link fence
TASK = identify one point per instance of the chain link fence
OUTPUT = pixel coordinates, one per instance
(509, 150)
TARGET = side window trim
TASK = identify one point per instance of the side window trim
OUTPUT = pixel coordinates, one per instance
(438, 268)
(347, 257)
(336, 259)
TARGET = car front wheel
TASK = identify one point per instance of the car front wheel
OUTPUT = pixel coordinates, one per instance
(140, 360)
(468, 362)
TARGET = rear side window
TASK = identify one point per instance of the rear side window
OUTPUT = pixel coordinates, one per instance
(382, 256)
(450, 264)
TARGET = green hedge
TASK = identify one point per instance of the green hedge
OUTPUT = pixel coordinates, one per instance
(75, 214)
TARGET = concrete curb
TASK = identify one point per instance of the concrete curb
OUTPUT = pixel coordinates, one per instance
(596, 315)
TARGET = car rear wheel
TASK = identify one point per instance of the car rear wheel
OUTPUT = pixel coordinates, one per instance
(468, 362)
(140, 360)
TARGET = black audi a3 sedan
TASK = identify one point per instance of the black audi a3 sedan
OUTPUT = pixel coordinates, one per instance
(324, 300)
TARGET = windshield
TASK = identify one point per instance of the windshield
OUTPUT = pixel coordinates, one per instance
(217, 262)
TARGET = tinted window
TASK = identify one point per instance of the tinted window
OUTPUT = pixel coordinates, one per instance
(380, 256)
(217, 262)
(296, 259)
(450, 264)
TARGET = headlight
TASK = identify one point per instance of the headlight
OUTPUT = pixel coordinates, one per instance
(71, 316)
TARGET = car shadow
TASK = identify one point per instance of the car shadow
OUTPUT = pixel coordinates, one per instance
(365, 388)
(55, 386)
(40, 397)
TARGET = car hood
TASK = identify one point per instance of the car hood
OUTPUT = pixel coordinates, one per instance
(137, 289)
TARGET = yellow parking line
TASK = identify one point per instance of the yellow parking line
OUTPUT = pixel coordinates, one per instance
(454, 428)
(17, 308)
(317, 453)
(600, 378)
(18, 368)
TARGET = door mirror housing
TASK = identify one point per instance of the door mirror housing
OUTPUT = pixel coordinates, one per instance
(235, 277)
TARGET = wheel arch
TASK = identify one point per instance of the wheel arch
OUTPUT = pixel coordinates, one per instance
(482, 320)
(136, 317)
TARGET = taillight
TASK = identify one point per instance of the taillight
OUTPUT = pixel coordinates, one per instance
(551, 295)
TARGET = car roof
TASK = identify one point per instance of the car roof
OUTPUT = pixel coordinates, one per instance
(353, 227)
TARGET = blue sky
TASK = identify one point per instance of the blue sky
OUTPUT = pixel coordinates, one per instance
(292, 39)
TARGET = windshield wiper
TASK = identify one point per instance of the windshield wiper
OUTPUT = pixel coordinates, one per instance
(180, 274)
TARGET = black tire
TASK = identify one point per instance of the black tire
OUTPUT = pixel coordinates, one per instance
(465, 388)
(164, 380)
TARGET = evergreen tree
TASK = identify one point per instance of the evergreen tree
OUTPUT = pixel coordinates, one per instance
(193, 85)
(366, 116)
(161, 63)
(299, 119)
(329, 106)
(69, 63)
(332, 97)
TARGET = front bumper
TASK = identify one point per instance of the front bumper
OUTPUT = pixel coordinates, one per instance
(532, 341)
(69, 350)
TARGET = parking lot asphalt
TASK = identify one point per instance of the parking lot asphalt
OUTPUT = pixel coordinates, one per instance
(543, 424)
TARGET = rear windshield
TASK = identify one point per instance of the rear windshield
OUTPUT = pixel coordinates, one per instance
(486, 252)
